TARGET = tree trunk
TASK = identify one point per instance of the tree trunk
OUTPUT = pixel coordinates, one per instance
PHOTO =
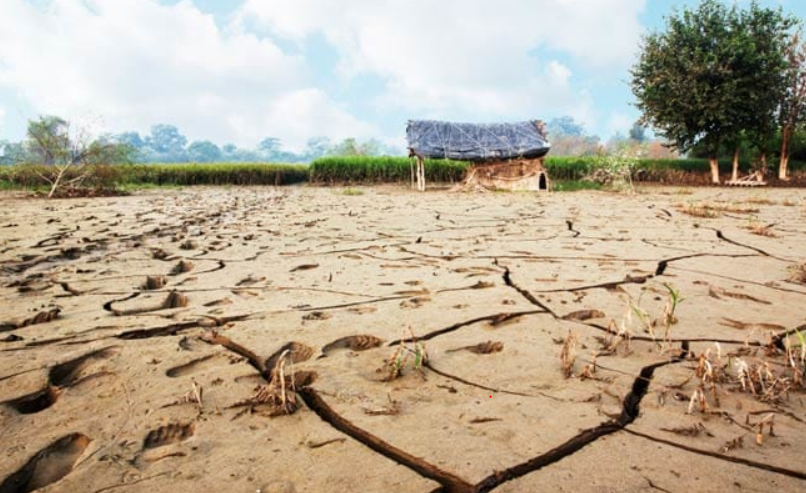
(735, 175)
(786, 134)
(714, 162)
(55, 185)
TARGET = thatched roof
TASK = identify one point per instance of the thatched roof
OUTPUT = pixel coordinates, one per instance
(477, 142)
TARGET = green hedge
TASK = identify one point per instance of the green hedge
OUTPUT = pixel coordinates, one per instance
(341, 170)
(381, 169)
(108, 176)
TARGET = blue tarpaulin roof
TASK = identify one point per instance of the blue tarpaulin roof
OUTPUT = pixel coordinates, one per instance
(477, 141)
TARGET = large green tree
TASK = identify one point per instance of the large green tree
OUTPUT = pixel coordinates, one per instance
(793, 100)
(760, 39)
(714, 73)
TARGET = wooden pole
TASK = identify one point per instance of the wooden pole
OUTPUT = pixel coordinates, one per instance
(420, 174)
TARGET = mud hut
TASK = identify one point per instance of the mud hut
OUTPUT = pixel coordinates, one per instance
(503, 156)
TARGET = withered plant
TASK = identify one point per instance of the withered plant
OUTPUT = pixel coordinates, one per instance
(278, 397)
(568, 354)
(408, 348)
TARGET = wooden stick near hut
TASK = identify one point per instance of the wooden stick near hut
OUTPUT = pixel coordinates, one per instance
(420, 174)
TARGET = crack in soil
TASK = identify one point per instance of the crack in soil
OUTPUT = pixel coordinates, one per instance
(454, 484)
(629, 412)
(450, 482)
(605, 285)
(461, 380)
(570, 225)
(716, 455)
(721, 236)
(507, 276)
(496, 319)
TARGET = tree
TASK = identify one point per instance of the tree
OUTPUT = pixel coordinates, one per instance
(761, 38)
(638, 133)
(565, 125)
(270, 145)
(793, 100)
(568, 138)
(316, 147)
(347, 147)
(712, 75)
(132, 139)
(682, 81)
(204, 152)
(52, 142)
(13, 153)
(167, 142)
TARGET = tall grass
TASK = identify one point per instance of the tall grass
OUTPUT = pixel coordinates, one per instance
(346, 170)
(108, 176)
(381, 169)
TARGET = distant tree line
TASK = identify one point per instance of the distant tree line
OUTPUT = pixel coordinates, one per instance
(166, 144)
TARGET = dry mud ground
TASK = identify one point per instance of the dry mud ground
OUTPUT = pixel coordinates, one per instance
(110, 382)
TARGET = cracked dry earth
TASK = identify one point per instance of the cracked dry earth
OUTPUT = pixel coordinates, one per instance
(139, 334)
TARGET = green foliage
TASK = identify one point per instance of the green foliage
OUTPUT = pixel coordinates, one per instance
(381, 169)
(616, 169)
(714, 72)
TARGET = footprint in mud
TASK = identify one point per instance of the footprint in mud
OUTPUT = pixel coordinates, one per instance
(160, 254)
(60, 377)
(32, 283)
(720, 293)
(296, 352)
(189, 245)
(175, 299)
(415, 302)
(362, 310)
(250, 281)
(353, 343)
(583, 315)
(168, 434)
(40, 318)
(221, 302)
(183, 267)
(47, 466)
(488, 347)
(195, 366)
(316, 316)
(304, 267)
(154, 282)
(761, 327)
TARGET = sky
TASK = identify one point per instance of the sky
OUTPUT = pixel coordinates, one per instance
(237, 71)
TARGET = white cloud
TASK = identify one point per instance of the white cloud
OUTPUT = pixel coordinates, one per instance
(137, 62)
(466, 58)
(2, 117)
